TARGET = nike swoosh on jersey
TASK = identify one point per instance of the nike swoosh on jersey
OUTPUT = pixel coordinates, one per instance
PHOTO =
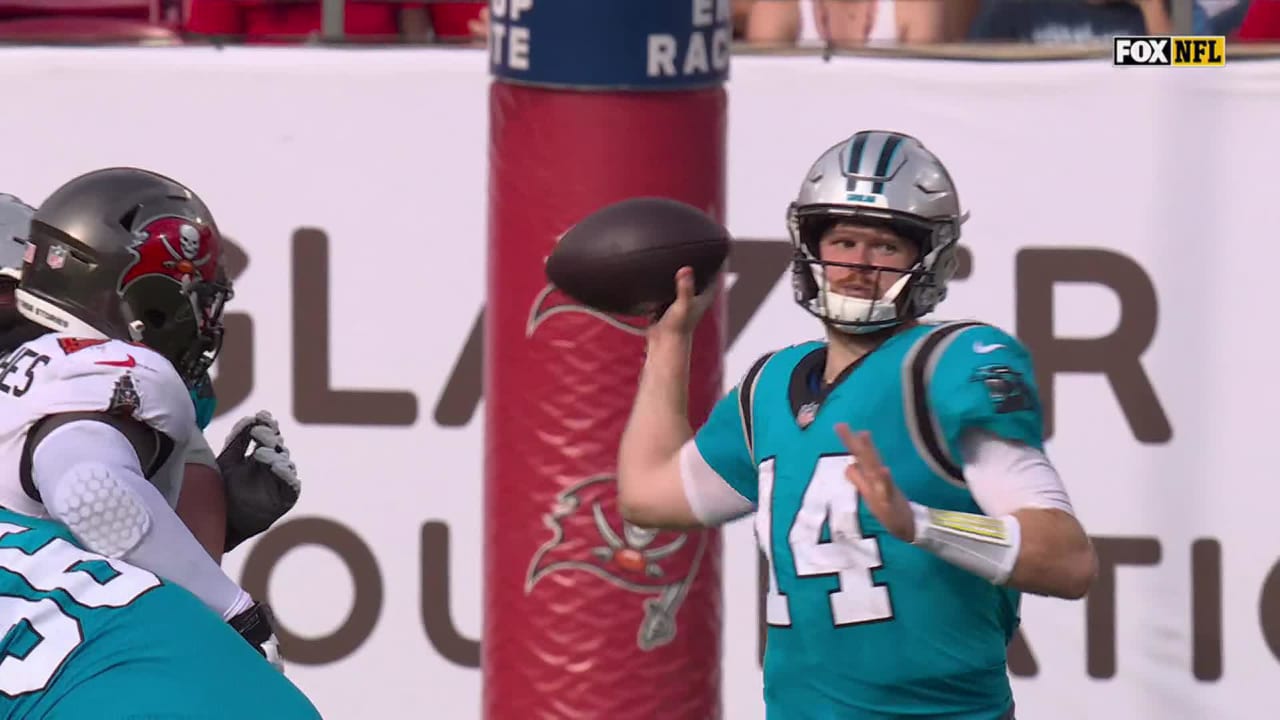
(982, 348)
(128, 362)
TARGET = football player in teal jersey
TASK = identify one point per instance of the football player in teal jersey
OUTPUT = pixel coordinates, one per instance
(896, 468)
(91, 637)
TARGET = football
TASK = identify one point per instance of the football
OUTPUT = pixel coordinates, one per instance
(623, 258)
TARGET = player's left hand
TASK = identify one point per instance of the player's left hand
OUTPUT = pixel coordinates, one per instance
(875, 484)
(261, 480)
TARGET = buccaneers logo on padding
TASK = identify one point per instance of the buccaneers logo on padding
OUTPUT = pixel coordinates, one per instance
(551, 302)
(588, 535)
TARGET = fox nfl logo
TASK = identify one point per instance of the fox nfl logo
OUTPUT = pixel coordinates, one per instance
(1170, 51)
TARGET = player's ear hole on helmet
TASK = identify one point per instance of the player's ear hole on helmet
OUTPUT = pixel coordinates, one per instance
(155, 318)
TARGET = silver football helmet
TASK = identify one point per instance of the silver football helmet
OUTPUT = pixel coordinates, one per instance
(15, 225)
(886, 179)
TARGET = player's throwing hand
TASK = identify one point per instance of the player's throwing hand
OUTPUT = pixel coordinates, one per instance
(682, 316)
(875, 483)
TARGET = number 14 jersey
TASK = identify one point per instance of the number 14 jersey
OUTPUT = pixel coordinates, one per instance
(863, 626)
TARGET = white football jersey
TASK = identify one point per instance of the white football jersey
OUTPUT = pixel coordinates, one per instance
(61, 373)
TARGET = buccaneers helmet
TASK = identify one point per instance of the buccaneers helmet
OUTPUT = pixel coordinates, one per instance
(129, 254)
(878, 178)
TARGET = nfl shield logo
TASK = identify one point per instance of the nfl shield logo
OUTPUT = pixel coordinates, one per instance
(806, 415)
(57, 257)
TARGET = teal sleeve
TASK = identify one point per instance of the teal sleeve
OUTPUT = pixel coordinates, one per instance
(985, 380)
(205, 401)
(722, 442)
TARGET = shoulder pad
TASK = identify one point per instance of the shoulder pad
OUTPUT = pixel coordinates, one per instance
(115, 377)
(943, 398)
(746, 397)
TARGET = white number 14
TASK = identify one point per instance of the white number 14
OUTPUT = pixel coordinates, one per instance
(832, 500)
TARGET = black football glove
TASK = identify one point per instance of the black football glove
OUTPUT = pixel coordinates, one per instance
(258, 627)
(260, 478)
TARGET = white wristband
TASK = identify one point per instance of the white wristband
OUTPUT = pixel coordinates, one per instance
(985, 546)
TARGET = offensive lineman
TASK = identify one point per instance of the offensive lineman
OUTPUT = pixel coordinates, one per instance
(225, 499)
(896, 471)
(121, 307)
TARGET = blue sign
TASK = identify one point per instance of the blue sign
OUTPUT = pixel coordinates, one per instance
(611, 44)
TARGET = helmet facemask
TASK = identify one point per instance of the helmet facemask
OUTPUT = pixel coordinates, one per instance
(208, 299)
(903, 294)
(184, 323)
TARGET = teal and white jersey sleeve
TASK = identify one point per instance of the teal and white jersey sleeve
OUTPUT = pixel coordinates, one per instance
(982, 378)
(720, 455)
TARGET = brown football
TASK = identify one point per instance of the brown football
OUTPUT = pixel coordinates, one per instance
(623, 258)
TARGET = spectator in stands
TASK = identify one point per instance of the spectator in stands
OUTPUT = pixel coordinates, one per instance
(1261, 21)
(15, 9)
(1225, 16)
(91, 21)
(469, 19)
(268, 21)
(1076, 21)
(741, 16)
(853, 23)
(155, 11)
(464, 20)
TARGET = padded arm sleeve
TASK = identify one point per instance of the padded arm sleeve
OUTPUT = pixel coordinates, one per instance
(91, 481)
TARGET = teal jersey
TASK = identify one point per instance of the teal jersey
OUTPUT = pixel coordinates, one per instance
(206, 402)
(863, 626)
(92, 638)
